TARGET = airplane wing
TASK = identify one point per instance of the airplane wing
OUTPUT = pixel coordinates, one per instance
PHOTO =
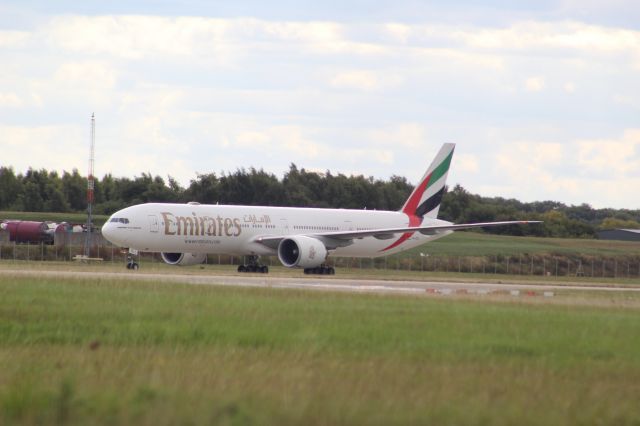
(344, 238)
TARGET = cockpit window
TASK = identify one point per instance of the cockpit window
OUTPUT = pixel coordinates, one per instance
(120, 220)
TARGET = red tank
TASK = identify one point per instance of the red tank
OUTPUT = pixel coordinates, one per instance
(25, 231)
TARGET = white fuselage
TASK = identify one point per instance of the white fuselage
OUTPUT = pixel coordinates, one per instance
(221, 229)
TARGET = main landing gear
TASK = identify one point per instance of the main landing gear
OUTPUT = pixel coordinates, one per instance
(320, 270)
(253, 266)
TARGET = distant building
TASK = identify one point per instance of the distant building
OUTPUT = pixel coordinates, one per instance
(619, 234)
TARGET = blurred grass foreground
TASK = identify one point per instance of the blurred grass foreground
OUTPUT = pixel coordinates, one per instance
(112, 351)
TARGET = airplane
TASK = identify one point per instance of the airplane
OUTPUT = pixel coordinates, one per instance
(184, 234)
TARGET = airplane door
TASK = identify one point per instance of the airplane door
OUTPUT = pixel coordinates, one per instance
(284, 224)
(153, 223)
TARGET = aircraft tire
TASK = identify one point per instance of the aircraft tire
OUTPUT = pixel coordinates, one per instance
(320, 270)
(264, 269)
(242, 268)
(135, 266)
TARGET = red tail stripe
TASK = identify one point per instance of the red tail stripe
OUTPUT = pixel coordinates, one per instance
(412, 204)
(410, 211)
(413, 221)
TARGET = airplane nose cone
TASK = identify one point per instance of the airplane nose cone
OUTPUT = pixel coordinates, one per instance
(107, 231)
(115, 236)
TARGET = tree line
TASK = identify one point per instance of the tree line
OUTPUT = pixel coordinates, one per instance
(42, 190)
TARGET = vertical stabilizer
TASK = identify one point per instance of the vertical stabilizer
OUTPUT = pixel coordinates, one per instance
(425, 199)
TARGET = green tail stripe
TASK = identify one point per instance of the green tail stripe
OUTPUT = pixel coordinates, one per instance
(440, 170)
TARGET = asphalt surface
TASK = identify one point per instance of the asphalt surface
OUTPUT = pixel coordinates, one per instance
(335, 284)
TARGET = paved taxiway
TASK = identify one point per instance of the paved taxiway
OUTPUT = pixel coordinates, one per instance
(331, 283)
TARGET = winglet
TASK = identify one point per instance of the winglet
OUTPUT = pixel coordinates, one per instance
(426, 197)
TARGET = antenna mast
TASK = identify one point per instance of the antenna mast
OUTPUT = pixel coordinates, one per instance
(90, 187)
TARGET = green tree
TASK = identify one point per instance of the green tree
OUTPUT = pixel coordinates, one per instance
(394, 192)
(157, 190)
(32, 200)
(204, 189)
(39, 190)
(266, 188)
(56, 202)
(615, 223)
(10, 188)
(295, 192)
(74, 188)
(235, 188)
(455, 205)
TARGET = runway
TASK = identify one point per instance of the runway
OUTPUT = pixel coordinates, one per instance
(337, 284)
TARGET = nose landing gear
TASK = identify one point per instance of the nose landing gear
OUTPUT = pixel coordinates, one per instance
(131, 263)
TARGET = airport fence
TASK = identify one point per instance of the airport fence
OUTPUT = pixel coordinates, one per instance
(523, 264)
(541, 265)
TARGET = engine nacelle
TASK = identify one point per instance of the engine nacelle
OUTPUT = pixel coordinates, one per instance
(183, 259)
(302, 252)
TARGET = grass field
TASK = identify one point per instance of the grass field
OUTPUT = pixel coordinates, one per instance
(114, 351)
(480, 244)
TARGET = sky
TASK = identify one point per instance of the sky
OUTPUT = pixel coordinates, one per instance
(541, 97)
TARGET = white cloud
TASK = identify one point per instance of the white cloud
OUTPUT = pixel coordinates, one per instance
(457, 59)
(193, 93)
(398, 32)
(530, 161)
(138, 36)
(10, 100)
(362, 80)
(258, 140)
(253, 140)
(626, 100)
(598, 172)
(551, 39)
(365, 80)
(320, 33)
(548, 153)
(467, 163)
(379, 156)
(291, 140)
(14, 39)
(407, 135)
(132, 36)
(612, 157)
(40, 147)
(534, 84)
(87, 75)
(224, 40)
(552, 35)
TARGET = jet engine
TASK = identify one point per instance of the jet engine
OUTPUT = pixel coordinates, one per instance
(183, 259)
(301, 251)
